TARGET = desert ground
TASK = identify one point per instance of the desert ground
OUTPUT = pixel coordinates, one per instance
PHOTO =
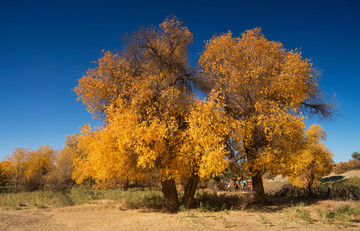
(108, 216)
(278, 214)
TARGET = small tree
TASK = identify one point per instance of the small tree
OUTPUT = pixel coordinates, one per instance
(40, 163)
(60, 176)
(17, 166)
(312, 161)
(28, 168)
(4, 173)
(355, 155)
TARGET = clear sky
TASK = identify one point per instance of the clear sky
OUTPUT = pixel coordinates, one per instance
(45, 46)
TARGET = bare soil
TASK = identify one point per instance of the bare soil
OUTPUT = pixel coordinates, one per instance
(110, 216)
(346, 175)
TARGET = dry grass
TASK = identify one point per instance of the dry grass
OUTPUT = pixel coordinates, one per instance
(79, 196)
(88, 209)
(109, 215)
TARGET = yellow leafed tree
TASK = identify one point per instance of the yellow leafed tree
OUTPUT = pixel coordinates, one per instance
(60, 176)
(17, 166)
(28, 168)
(4, 173)
(39, 164)
(258, 94)
(313, 161)
(266, 90)
(152, 120)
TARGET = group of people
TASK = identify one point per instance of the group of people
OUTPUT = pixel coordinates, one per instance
(238, 185)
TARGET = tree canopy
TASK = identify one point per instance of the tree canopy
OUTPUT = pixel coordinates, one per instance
(27, 168)
(355, 155)
(257, 96)
(152, 117)
(313, 160)
(267, 91)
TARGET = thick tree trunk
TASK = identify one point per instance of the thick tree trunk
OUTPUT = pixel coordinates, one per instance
(258, 188)
(189, 191)
(170, 195)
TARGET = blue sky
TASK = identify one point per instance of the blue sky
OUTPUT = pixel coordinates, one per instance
(45, 46)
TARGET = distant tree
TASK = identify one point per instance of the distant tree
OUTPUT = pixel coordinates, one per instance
(353, 164)
(311, 162)
(355, 155)
(39, 164)
(28, 168)
(17, 164)
(60, 177)
(4, 174)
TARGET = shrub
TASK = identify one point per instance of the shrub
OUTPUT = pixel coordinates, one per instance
(344, 214)
(211, 202)
(54, 181)
(263, 219)
(344, 191)
(139, 198)
(153, 200)
(80, 195)
(348, 189)
(291, 191)
(347, 166)
(300, 214)
(354, 180)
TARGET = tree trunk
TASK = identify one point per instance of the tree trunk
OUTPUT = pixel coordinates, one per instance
(311, 181)
(170, 195)
(189, 191)
(258, 188)
(16, 183)
(126, 184)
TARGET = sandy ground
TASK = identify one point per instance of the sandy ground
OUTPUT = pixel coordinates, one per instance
(110, 216)
(346, 175)
(115, 217)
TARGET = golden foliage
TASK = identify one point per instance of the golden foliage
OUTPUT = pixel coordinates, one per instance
(203, 148)
(263, 88)
(342, 167)
(145, 97)
(60, 176)
(251, 119)
(40, 161)
(313, 161)
(27, 169)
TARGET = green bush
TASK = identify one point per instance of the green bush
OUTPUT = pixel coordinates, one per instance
(153, 200)
(355, 180)
(344, 214)
(344, 190)
(81, 195)
(348, 189)
(300, 214)
(211, 202)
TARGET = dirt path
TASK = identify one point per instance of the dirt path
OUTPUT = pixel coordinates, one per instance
(114, 217)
